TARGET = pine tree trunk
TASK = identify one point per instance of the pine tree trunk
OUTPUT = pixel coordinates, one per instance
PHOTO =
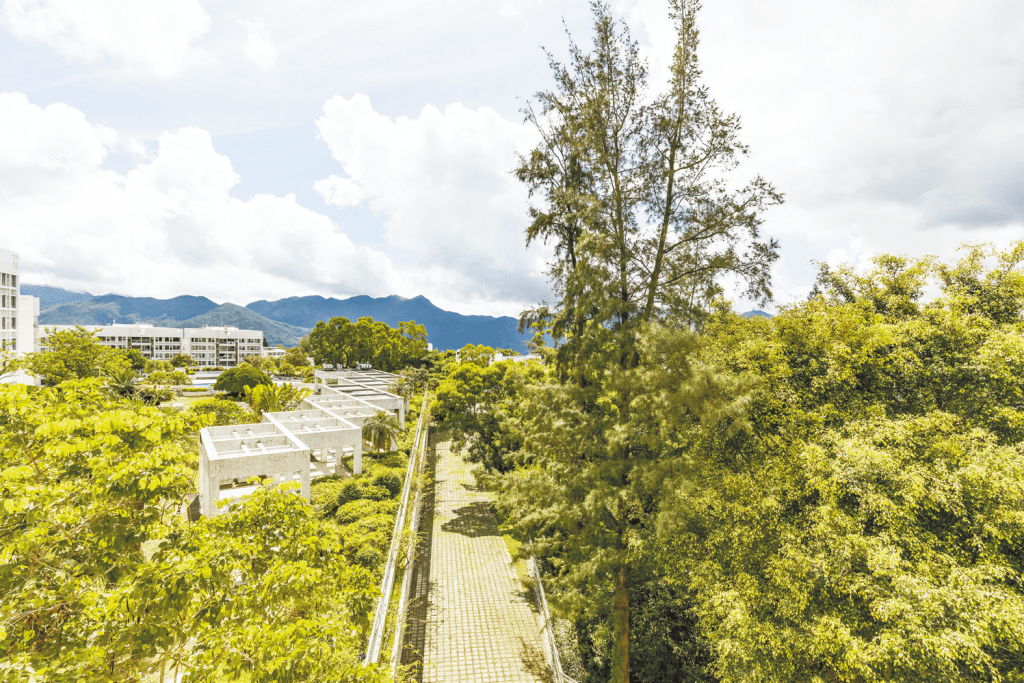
(620, 650)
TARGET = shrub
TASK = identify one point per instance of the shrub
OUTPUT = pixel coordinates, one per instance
(224, 412)
(392, 459)
(325, 497)
(194, 390)
(369, 557)
(374, 531)
(371, 492)
(362, 508)
(391, 479)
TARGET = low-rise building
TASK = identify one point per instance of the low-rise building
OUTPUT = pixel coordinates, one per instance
(275, 352)
(221, 346)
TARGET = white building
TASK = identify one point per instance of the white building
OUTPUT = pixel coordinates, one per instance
(222, 347)
(19, 315)
(274, 352)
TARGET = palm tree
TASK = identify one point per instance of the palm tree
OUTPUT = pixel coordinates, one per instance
(402, 387)
(124, 382)
(381, 430)
(273, 399)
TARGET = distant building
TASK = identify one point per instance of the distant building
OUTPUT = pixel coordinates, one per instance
(274, 352)
(19, 315)
(498, 357)
(208, 346)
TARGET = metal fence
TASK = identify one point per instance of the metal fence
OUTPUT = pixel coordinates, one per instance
(376, 641)
(549, 630)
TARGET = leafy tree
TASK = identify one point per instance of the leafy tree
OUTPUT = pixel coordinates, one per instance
(155, 365)
(234, 380)
(403, 387)
(645, 227)
(381, 430)
(182, 360)
(343, 343)
(296, 357)
(135, 358)
(73, 354)
(482, 408)
(176, 378)
(274, 398)
(478, 354)
(866, 526)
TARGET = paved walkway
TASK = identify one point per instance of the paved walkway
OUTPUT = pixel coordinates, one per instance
(470, 618)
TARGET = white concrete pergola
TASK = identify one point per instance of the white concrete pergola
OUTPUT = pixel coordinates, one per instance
(295, 444)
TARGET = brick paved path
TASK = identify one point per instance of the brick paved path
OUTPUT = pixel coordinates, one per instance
(470, 619)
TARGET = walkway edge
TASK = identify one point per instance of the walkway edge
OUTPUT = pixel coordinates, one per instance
(387, 584)
(410, 560)
(549, 630)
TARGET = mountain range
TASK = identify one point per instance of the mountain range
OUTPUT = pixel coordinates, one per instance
(283, 321)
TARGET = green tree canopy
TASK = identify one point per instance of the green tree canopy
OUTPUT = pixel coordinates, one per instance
(73, 354)
(482, 408)
(135, 358)
(343, 343)
(866, 527)
(296, 357)
(182, 360)
(235, 380)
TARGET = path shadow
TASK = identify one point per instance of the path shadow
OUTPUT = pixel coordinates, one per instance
(474, 520)
(414, 644)
(534, 661)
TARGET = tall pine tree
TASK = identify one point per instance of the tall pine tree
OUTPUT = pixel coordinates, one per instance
(636, 198)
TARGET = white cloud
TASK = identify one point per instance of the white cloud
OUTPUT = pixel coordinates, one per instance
(443, 183)
(892, 127)
(340, 191)
(259, 47)
(152, 38)
(167, 227)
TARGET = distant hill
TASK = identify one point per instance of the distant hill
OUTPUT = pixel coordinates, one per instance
(751, 314)
(102, 310)
(52, 296)
(445, 329)
(274, 331)
(283, 321)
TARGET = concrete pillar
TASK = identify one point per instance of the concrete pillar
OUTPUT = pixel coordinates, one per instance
(304, 478)
(401, 416)
(357, 455)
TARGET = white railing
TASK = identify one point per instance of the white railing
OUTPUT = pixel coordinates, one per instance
(410, 562)
(380, 616)
(549, 631)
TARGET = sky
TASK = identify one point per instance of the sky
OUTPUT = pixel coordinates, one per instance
(259, 150)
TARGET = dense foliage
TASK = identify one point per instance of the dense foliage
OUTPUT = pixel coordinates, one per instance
(343, 343)
(481, 406)
(101, 580)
